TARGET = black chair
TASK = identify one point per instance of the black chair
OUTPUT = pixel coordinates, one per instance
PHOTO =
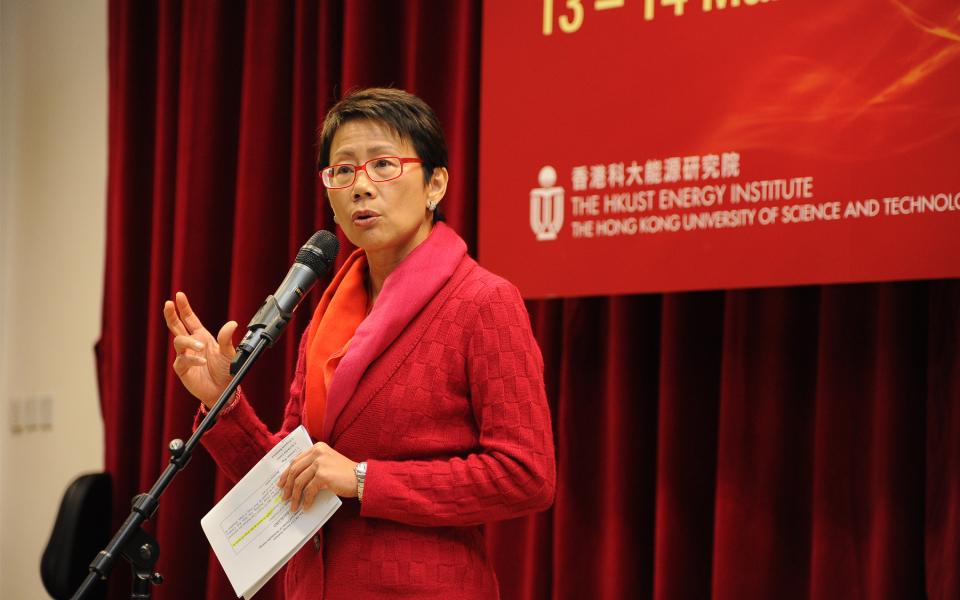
(81, 530)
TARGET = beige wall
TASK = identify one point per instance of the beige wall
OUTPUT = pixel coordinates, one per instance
(53, 148)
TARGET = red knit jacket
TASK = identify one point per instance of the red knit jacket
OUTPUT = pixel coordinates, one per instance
(453, 422)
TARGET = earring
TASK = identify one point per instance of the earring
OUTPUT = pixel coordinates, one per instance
(432, 205)
(335, 220)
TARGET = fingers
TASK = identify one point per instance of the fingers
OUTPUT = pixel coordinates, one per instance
(282, 482)
(225, 339)
(189, 319)
(297, 465)
(310, 492)
(184, 361)
(173, 319)
(182, 343)
(304, 478)
(287, 472)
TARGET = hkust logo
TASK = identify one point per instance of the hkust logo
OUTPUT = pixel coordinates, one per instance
(546, 206)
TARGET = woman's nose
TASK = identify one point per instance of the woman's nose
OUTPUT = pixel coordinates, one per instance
(362, 186)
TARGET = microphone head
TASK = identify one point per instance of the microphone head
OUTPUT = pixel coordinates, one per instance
(319, 252)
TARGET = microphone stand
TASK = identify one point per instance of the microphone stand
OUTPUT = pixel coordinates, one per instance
(131, 542)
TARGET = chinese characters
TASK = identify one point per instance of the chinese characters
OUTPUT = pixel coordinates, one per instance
(655, 171)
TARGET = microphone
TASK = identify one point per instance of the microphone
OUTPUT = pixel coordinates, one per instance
(313, 260)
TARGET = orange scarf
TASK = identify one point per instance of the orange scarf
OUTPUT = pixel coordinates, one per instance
(340, 311)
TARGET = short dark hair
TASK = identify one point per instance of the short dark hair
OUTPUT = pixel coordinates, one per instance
(407, 115)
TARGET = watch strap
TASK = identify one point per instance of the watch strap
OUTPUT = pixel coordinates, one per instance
(361, 472)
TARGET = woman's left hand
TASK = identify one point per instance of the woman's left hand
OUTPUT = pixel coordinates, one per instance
(319, 468)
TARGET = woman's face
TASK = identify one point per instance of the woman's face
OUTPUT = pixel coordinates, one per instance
(387, 217)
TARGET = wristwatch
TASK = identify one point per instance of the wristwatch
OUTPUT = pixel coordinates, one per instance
(361, 472)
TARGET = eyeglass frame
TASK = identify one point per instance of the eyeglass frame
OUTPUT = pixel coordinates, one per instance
(363, 167)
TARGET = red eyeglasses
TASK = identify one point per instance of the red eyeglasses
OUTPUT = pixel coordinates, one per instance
(382, 168)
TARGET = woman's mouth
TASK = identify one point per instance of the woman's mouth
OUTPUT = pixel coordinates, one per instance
(365, 218)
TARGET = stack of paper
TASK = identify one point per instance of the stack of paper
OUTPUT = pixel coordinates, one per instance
(252, 531)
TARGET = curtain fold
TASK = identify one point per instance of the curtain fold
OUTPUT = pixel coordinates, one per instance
(793, 442)
(764, 444)
(690, 351)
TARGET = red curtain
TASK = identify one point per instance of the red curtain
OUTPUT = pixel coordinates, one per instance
(789, 443)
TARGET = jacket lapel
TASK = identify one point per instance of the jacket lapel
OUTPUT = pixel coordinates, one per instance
(382, 370)
(410, 288)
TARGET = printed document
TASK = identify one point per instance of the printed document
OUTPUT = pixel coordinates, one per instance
(252, 531)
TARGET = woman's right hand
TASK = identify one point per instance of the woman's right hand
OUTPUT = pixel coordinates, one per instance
(202, 362)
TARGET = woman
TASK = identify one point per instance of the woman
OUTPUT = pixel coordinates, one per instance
(418, 374)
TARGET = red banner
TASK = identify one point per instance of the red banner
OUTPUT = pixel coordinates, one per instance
(663, 145)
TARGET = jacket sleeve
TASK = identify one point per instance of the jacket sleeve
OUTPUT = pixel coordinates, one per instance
(513, 472)
(239, 438)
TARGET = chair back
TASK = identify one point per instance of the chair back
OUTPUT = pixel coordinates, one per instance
(81, 530)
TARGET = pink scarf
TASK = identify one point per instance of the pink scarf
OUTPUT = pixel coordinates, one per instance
(406, 291)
